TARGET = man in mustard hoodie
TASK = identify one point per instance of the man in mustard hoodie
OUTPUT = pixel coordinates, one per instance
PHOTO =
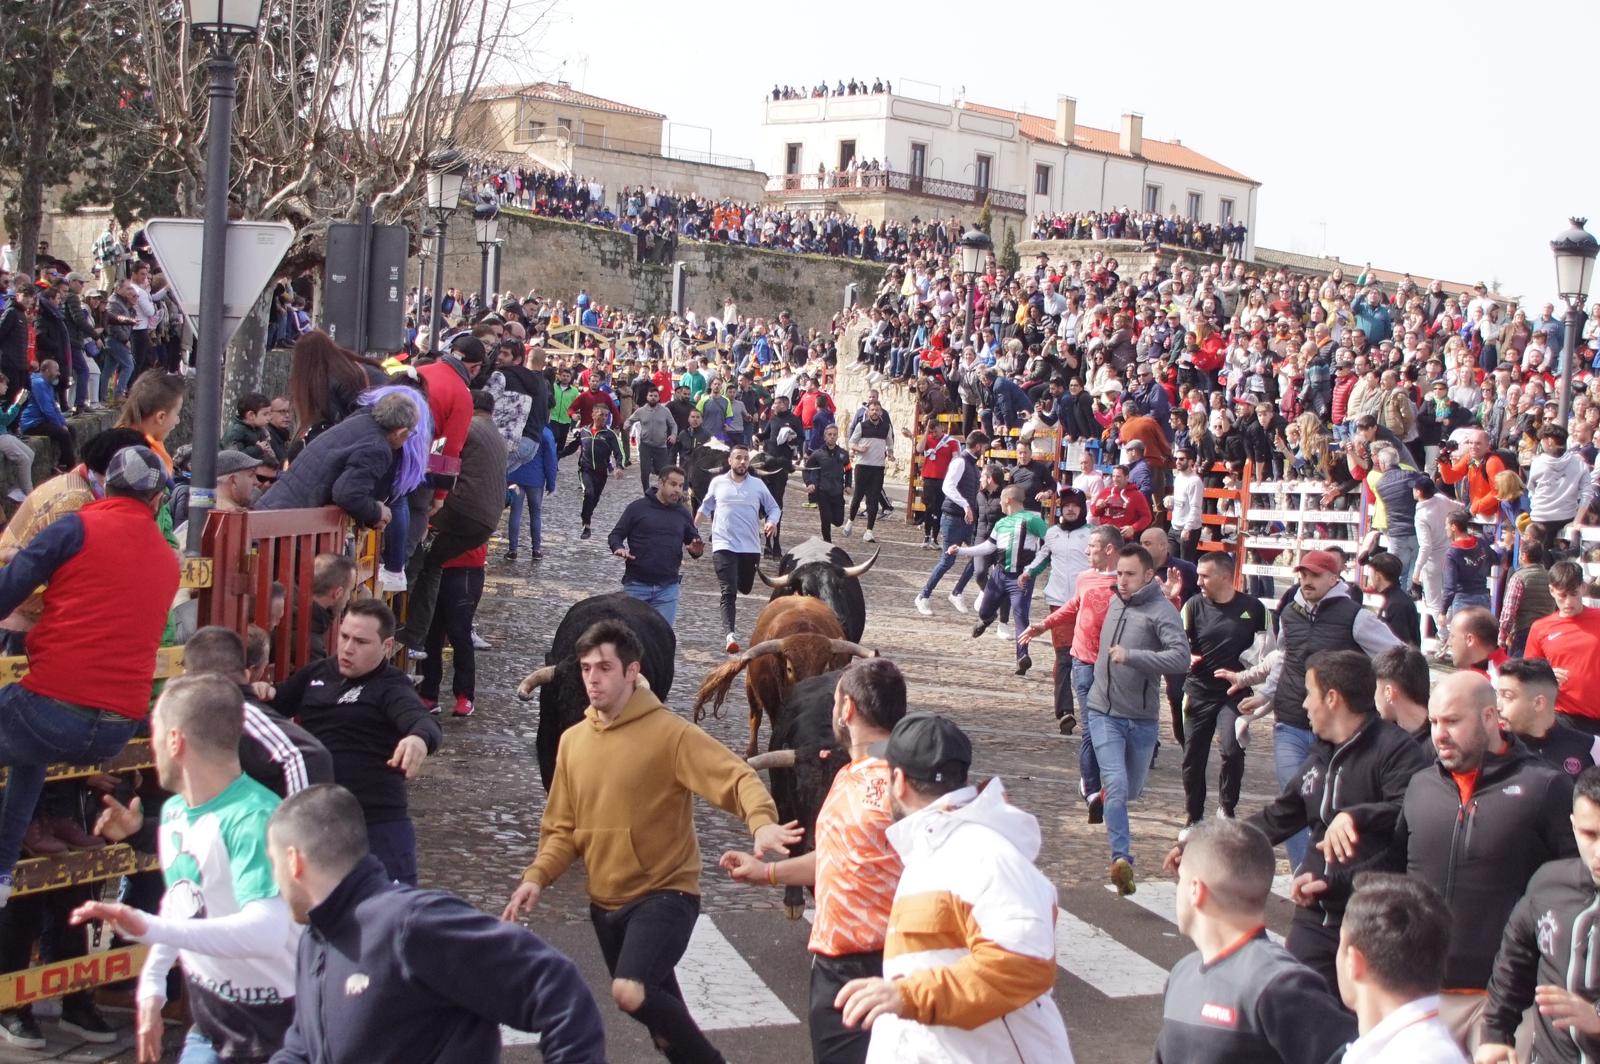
(637, 838)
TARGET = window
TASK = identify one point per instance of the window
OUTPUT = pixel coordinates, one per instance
(847, 153)
(981, 171)
(1194, 205)
(535, 129)
(564, 124)
(1152, 198)
(919, 159)
(1041, 180)
(791, 158)
(1225, 211)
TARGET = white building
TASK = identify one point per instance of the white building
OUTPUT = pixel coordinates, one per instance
(946, 155)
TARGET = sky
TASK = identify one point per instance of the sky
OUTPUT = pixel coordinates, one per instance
(1383, 133)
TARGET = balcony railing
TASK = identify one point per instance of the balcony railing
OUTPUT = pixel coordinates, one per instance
(868, 182)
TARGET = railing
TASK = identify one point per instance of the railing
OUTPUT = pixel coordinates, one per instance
(255, 549)
(575, 335)
(605, 142)
(868, 182)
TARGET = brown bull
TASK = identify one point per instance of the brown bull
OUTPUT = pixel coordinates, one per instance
(796, 637)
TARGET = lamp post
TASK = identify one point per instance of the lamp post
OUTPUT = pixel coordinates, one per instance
(422, 266)
(1575, 252)
(447, 174)
(975, 249)
(486, 220)
(228, 24)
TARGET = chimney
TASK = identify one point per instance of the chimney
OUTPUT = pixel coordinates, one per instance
(1131, 140)
(1066, 119)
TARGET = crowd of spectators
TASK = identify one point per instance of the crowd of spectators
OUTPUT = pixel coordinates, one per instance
(1147, 227)
(852, 87)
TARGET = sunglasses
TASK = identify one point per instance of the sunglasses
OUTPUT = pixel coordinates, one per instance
(265, 480)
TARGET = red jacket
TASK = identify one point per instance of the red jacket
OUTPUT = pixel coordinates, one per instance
(1121, 507)
(108, 575)
(450, 403)
(938, 448)
(582, 409)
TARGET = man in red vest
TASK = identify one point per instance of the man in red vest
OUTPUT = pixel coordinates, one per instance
(105, 569)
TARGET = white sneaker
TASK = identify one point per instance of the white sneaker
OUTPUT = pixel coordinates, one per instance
(390, 580)
(480, 643)
(924, 607)
(958, 602)
(732, 644)
(844, 529)
(17, 495)
(1003, 633)
(868, 537)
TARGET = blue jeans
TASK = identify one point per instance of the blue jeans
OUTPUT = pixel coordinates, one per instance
(1406, 548)
(953, 532)
(35, 732)
(1463, 601)
(1002, 586)
(197, 1049)
(664, 597)
(1122, 746)
(396, 536)
(122, 362)
(534, 500)
(1291, 746)
(1088, 766)
(394, 843)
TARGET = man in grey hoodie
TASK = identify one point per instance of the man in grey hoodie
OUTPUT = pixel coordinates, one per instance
(1141, 641)
(1558, 484)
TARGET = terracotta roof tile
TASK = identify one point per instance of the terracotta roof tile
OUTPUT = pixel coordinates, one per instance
(1107, 142)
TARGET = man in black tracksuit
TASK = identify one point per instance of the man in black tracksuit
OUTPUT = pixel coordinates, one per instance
(1476, 826)
(1548, 951)
(391, 975)
(371, 719)
(1359, 768)
(600, 454)
(1221, 624)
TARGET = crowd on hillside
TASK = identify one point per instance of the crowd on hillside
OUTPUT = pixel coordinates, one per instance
(1147, 227)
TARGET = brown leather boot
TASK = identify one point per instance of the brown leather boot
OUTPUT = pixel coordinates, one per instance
(70, 832)
(38, 841)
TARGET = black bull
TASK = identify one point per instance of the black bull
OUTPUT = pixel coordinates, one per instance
(803, 726)
(825, 572)
(562, 698)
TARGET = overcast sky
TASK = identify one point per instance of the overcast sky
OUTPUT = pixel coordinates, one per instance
(1419, 136)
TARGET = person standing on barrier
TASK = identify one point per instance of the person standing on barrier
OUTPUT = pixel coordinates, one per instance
(106, 568)
(222, 915)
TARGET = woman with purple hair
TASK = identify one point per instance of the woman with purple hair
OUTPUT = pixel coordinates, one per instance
(410, 470)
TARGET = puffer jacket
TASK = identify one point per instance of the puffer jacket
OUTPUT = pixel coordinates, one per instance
(969, 878)
(350, 465)
(1145, 624)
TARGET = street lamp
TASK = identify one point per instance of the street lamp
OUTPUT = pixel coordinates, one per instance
(975, 249)
(1575, 252)
(447, 174)
(486, 220)
(228, 24)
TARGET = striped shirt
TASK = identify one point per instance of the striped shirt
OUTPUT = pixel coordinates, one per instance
(857, 869)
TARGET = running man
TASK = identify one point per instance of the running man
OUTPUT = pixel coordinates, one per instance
(742, 513)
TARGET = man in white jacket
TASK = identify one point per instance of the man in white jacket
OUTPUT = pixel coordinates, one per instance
(1559, 483)
(1188, 504)
(1433, 539)
(969, 960)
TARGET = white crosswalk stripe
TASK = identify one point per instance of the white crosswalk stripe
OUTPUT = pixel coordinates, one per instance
(721, 989)
(1096, 958)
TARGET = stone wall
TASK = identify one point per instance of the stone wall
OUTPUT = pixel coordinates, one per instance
(556, 258)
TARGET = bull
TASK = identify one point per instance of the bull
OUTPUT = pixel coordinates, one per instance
(796, 637)
(823, 571)
(803, 759)
(562, 697)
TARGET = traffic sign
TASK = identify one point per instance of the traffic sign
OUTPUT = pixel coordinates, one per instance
(254, 251)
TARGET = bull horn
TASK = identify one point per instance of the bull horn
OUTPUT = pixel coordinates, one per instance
(854, 650)
(761, 650)
(535, 680)
(861, 570)
(772, 759)
(780, 582)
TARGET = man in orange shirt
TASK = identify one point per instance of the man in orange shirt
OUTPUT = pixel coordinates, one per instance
(1478, 467)
(1138, 425)
(1569, 639)
(853, 868)
(1082, 616)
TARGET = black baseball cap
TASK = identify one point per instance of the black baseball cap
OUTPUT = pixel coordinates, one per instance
(469, 349)
(928, 747)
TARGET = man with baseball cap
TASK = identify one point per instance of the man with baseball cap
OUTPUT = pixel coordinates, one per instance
(1321, 615)
(976, 888)
(105, 568)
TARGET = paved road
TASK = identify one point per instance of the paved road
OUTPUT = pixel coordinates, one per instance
(478, 803)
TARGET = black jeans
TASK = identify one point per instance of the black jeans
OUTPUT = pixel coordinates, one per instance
(452, 537)
(42, 919)
(394, 843)
(1315, 946)
(932, 503)
(830, 511)
(1204, 715)
(459, 592)
(869, 483)
(736, 573)
(642, 942)
(831, 1041)
(652, 459)
(61, 436)
(593, 484)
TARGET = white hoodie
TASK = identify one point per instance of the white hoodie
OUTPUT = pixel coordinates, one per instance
(1558, 486)
(971, 938)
